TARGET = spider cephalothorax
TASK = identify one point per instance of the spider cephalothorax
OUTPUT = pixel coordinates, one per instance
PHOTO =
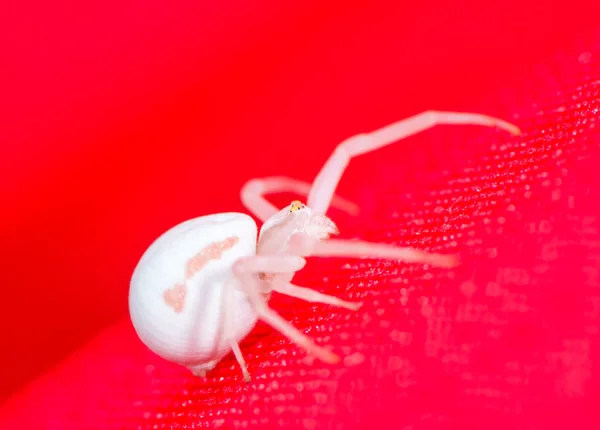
(295, 219)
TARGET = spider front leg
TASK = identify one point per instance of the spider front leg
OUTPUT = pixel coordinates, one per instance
(254, 191)
(246, 271)
(323, 188)
(307, 246)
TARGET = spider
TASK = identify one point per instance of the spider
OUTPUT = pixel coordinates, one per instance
(201, 287)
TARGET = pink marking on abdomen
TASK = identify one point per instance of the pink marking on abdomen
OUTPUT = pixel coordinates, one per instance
(214, 251)
(175, 296)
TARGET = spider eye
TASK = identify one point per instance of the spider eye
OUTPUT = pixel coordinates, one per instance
(296, 206)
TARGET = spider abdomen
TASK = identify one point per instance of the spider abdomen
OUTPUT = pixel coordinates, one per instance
(177, 291)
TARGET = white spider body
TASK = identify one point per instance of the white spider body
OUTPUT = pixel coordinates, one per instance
(189, 330)
(201, 287)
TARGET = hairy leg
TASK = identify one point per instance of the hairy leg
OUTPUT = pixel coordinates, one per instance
(324, 185)
(253, 195)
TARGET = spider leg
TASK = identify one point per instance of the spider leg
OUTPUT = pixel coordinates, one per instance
(229, 331)
(324, 185)
(311, 295)
(246, 269)
(253, 193)
(362, 249)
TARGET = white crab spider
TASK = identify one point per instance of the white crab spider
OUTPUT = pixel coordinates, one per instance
(201, 287)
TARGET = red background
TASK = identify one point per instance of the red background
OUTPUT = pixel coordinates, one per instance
(122, 119)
